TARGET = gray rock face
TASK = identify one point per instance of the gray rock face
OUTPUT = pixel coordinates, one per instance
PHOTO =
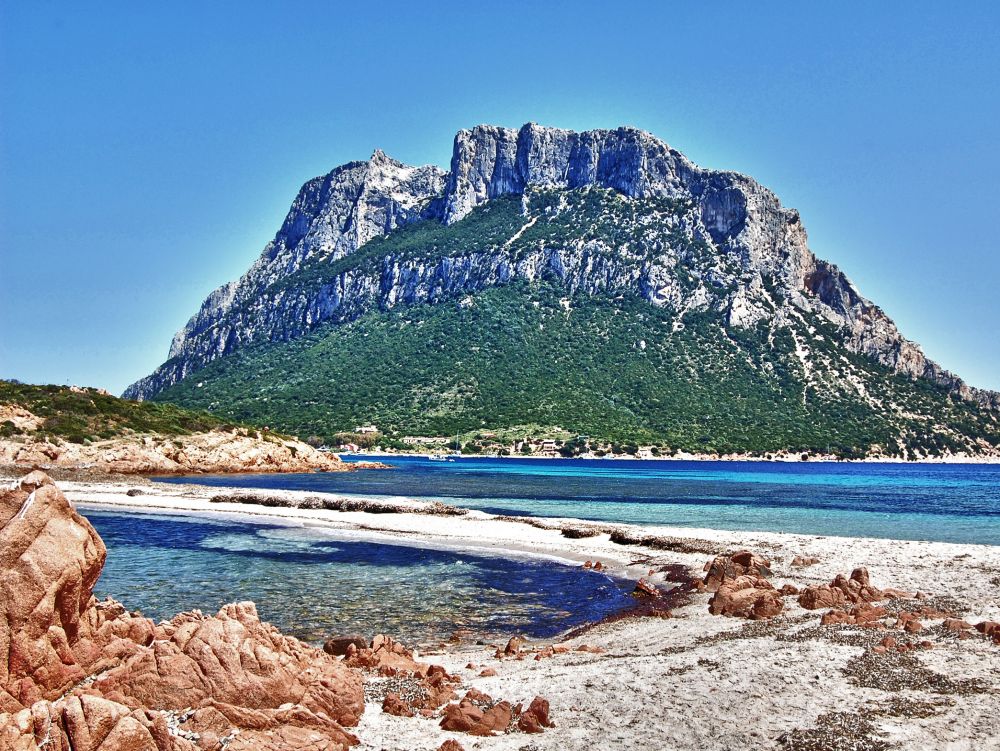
(488, 162)
(755, 242)
(331, 217)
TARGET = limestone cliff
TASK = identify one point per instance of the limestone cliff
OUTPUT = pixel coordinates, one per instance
(752, 262)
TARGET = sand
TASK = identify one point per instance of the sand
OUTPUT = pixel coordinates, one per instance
(693, 681)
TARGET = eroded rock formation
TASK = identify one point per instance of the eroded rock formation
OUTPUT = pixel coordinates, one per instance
(741, 588)
(85, 675)
(841, 591)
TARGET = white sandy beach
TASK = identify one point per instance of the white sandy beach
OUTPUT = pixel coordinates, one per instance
(693, 681)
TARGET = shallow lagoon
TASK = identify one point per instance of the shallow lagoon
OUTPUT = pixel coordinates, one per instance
(313, 585)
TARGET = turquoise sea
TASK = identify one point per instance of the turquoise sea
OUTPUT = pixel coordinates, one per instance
(312, 583)
(943, 502)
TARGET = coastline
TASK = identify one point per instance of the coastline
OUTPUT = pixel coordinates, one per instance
(734, 681)
(349, 457)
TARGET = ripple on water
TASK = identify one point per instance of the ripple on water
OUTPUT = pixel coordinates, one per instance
(312, 586)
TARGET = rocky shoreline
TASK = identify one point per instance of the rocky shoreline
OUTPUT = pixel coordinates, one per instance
(217, 452)
(790, 457)
(779, 641)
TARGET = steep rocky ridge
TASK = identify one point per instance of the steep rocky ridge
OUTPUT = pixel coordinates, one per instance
(684, 238)
(330, 217)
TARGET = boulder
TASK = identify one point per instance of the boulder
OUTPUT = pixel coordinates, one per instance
(243, 679)
(988, 628)
(816, 598)
(50, 559)
(865, 613)
(804, 560)
(859, 615)
(746, 597)
(87, 723)
(338, 645)
(514, 645)
(835, 616)
(841, 591)
(743, 563)
(535, 717)
(438, 690)
(955, 624)
(897, 594)
(394, 705)
(644, 589)
(477, 714)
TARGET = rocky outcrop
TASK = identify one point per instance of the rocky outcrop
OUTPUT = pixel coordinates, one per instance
(488, 162)
(757, 249)
(750, 597)
(219, 451)
(741, 588)
(87, 723)
(479, 714)
(841, 591)
(50, 560)
(729, 567)
(86, 675)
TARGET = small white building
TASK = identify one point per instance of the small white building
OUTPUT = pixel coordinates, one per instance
(366, 429)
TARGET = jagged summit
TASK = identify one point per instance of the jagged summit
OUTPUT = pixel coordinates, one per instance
(490, 161)
(684, 238)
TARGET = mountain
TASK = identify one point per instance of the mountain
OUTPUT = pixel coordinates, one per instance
(599, 282)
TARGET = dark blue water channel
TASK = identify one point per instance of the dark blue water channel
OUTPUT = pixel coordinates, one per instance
(312, 585)
(943, 502)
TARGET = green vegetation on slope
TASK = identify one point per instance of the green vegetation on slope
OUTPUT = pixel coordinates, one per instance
(617, 370)
(638, 230)
(79, 415)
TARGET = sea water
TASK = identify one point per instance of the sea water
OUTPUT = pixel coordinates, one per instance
(313, 584)
(942, 502)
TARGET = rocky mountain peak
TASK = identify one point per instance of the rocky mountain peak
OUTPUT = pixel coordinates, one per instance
(700, 240)
(489, 161)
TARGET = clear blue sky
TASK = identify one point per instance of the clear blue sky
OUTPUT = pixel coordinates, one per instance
(147, 155)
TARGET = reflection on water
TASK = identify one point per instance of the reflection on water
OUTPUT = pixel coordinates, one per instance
(312, 586)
